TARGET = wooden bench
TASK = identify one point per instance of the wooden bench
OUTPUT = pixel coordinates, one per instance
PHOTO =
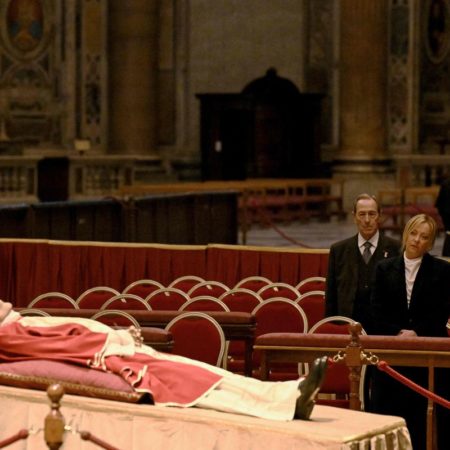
(398, 205)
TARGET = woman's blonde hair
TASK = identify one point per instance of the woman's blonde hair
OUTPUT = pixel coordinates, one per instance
(414, 222)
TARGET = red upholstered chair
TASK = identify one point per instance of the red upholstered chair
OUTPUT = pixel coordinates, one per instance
(211, 288)
(115, 318)
(198, 336)
(95, 297)
(254, 283)
(313, 303)
(204, 303)
(125, 301)
(33, 312)
(336, 387)
(142, 288)
(167, 299)
(53, 300)
(279, 315)
(186, 282)
(279, 290)
(239, 300)
(311, 284)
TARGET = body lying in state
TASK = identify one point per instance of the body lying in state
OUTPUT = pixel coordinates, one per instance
(171, 380)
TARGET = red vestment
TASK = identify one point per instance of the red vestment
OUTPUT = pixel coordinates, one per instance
(170, 382)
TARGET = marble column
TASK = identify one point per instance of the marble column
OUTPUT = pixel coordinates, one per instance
(132, 72)
(363, 85)
(363, 159)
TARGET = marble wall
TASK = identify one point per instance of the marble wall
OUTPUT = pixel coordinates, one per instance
(235, 42)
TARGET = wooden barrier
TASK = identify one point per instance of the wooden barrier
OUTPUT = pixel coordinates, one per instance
(400, 204)
(263, 200)
(426, 352)
(174, 218)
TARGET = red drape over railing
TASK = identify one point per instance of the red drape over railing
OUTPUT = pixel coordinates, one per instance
(32, 267)
(231, 263)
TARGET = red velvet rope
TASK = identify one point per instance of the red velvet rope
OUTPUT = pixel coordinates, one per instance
(22, 434)
(382, 365)
(87, 436)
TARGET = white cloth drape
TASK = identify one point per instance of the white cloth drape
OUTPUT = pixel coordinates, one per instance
(140, 427)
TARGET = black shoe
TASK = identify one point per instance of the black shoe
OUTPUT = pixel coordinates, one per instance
(309, 387)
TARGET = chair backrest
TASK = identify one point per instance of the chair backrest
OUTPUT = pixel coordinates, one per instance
(33, 312)
(211, 288)
(53, 300)
(115, 318)
(279, 290)
(337, 377)
(241, 299)
(125, 301)
(186, 282)
(95, 297)
(198, 336)
(254, 283)
(142, 288)
(204, 303)
(167, 299)
(311, 284)
(332, 325)
(313, 303)
(278, 315)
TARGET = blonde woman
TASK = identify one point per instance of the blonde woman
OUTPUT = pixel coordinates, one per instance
(411, 297)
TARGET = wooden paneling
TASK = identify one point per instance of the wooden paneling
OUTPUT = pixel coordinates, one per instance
(174, 218)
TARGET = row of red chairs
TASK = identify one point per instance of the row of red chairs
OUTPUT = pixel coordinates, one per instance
(170, 298)
(195, 286)
(192, 286)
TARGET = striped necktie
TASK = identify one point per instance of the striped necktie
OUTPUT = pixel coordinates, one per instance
(366, 253)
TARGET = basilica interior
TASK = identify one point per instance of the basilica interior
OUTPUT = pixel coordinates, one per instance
(99, 95)
(197, 147)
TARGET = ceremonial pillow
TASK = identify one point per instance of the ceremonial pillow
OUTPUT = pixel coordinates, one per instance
(76, 380)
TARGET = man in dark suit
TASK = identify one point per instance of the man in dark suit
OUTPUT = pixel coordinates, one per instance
(352, 261)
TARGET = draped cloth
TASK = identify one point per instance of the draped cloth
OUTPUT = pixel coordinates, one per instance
(171, 380)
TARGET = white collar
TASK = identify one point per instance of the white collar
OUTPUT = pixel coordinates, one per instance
(373, 240)
(412, 262)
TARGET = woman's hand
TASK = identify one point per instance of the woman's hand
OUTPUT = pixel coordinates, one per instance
(407, 333)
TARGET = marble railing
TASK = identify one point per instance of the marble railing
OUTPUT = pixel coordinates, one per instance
(97, 176)
(421, 170)
(18, 179)
(87, 176)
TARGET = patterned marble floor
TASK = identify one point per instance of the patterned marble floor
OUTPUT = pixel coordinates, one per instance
(314, 234)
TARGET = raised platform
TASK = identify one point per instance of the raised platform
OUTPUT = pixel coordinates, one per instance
(140, 427)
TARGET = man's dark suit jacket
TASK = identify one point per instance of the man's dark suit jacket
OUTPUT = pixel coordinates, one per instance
(342, 277)
(429, 308)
